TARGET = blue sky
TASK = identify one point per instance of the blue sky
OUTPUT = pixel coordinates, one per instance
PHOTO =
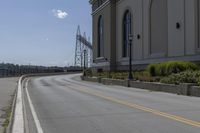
(42, 32)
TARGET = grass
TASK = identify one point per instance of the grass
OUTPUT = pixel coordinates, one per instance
(8, 112)
(171, 67)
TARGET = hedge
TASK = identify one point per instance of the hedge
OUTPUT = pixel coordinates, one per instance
(168, 68)
(183, 77)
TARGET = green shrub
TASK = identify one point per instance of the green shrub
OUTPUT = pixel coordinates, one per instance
(103, 74)
(183, 77)
(141, 76)
(172, 67)
(152, 69)
(145, 76)
(88, 72)
(161, 69)
(119, 75)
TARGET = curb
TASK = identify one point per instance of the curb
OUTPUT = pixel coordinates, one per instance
(18, 118)
(186, 89)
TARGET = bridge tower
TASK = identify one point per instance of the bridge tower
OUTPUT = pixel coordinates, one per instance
(82, 44)
(78, 50)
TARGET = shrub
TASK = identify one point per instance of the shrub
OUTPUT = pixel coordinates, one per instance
(161, 69)
(172, 67)
(103, 74)
(119, 75)
(183, 77)
(152, 69)
(88, 72)
(145, 76)
(141, 76)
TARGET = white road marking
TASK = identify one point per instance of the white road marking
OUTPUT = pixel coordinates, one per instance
(35, 117)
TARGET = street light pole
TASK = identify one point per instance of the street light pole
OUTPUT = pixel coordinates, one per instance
(84, 74)
(130, 76)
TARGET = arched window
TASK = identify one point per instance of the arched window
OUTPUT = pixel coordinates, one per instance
(127, 21)
(100, 37)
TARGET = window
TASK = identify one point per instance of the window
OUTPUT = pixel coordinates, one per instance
(100, 37)
(126, 31)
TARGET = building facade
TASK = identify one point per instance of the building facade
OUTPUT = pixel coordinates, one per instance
(163, 30)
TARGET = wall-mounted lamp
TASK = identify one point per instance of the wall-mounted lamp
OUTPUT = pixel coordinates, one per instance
(138, 36)
(178, 25)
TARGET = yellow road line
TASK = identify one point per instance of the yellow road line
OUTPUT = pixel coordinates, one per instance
(139, 107)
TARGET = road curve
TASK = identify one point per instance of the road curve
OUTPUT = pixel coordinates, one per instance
(65, 104)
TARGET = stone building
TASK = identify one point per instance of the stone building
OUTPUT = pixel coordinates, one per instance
(163, 30)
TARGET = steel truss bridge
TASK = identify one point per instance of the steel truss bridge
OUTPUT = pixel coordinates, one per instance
(83, 50)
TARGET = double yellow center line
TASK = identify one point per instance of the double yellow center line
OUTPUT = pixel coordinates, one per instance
(136, 106)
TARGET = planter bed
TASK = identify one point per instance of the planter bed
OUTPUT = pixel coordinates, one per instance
(182, 89)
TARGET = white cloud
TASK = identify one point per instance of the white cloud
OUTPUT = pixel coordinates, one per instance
(60, 14)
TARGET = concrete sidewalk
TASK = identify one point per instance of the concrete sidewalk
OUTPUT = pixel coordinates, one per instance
(7, 88)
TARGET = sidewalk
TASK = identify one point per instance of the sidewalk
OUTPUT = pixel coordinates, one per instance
(7, 88)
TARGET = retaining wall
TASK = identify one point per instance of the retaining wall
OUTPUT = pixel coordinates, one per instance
(182, 89)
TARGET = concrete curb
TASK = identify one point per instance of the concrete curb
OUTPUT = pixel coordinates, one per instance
(18, 118)
(186, 89)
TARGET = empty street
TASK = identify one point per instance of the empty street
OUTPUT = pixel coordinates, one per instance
(65, 104)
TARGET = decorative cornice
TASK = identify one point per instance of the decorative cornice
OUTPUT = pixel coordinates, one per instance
(101, 7)
(91, 1)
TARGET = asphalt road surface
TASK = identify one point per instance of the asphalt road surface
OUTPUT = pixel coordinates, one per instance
(65, 104)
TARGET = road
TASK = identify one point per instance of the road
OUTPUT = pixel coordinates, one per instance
(65, 104)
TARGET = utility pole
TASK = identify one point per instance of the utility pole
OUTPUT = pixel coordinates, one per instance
(84, 69)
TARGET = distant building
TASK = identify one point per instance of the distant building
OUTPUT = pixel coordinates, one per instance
(163, 30)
